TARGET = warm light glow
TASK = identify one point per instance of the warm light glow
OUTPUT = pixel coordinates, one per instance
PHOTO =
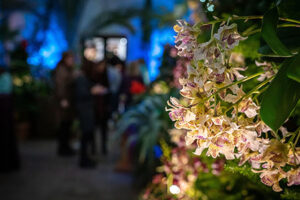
(90, 53)
(174, 189)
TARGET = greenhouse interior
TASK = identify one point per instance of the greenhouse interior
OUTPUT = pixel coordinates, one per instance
(149, 99)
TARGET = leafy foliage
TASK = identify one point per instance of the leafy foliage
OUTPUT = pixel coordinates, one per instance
(294, 69)
(151, 122)
(280, 98)
(269, 33)
(283, 93)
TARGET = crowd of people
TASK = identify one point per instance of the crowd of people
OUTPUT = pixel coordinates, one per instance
(94, 94)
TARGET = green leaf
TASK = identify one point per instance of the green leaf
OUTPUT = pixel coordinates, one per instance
(293, 71)
(269, 34)
(289, 36)
(280, 98)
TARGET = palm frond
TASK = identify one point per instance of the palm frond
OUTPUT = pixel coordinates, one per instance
(150, 123)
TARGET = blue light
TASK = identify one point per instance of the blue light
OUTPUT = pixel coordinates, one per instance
(54, 44)
(157, 151)
(159, 39)
(54, 41)
(137, 48)
(157, 50)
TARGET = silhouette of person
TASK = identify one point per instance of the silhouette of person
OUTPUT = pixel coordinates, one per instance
(64, 94)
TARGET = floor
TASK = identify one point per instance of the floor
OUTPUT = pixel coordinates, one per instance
(45, 176)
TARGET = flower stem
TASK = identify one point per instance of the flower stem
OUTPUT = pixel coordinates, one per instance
(294, 135)
(289, 20)
(212, 30)
(276, 134)
(296, 141)
(234, 83)
(225, 87)
(245, 18)
(260, 92)
(259, 29)
(215, 105)
(250, 93)
(236, 113)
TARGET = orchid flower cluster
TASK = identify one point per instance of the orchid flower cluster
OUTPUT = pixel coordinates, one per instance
(179, 171)
(219, 116)
(179, 71)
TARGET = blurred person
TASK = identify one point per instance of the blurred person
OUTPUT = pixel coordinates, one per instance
(84, 103)
(91, 100)
(102, 101)
(8, 143)
(64, 78)
(144, 71)
(115, 75)
(132, 84)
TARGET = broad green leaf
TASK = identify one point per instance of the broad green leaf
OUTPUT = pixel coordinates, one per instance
(268, 32)
(293, 71)
(289, 36)
(280, 98)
